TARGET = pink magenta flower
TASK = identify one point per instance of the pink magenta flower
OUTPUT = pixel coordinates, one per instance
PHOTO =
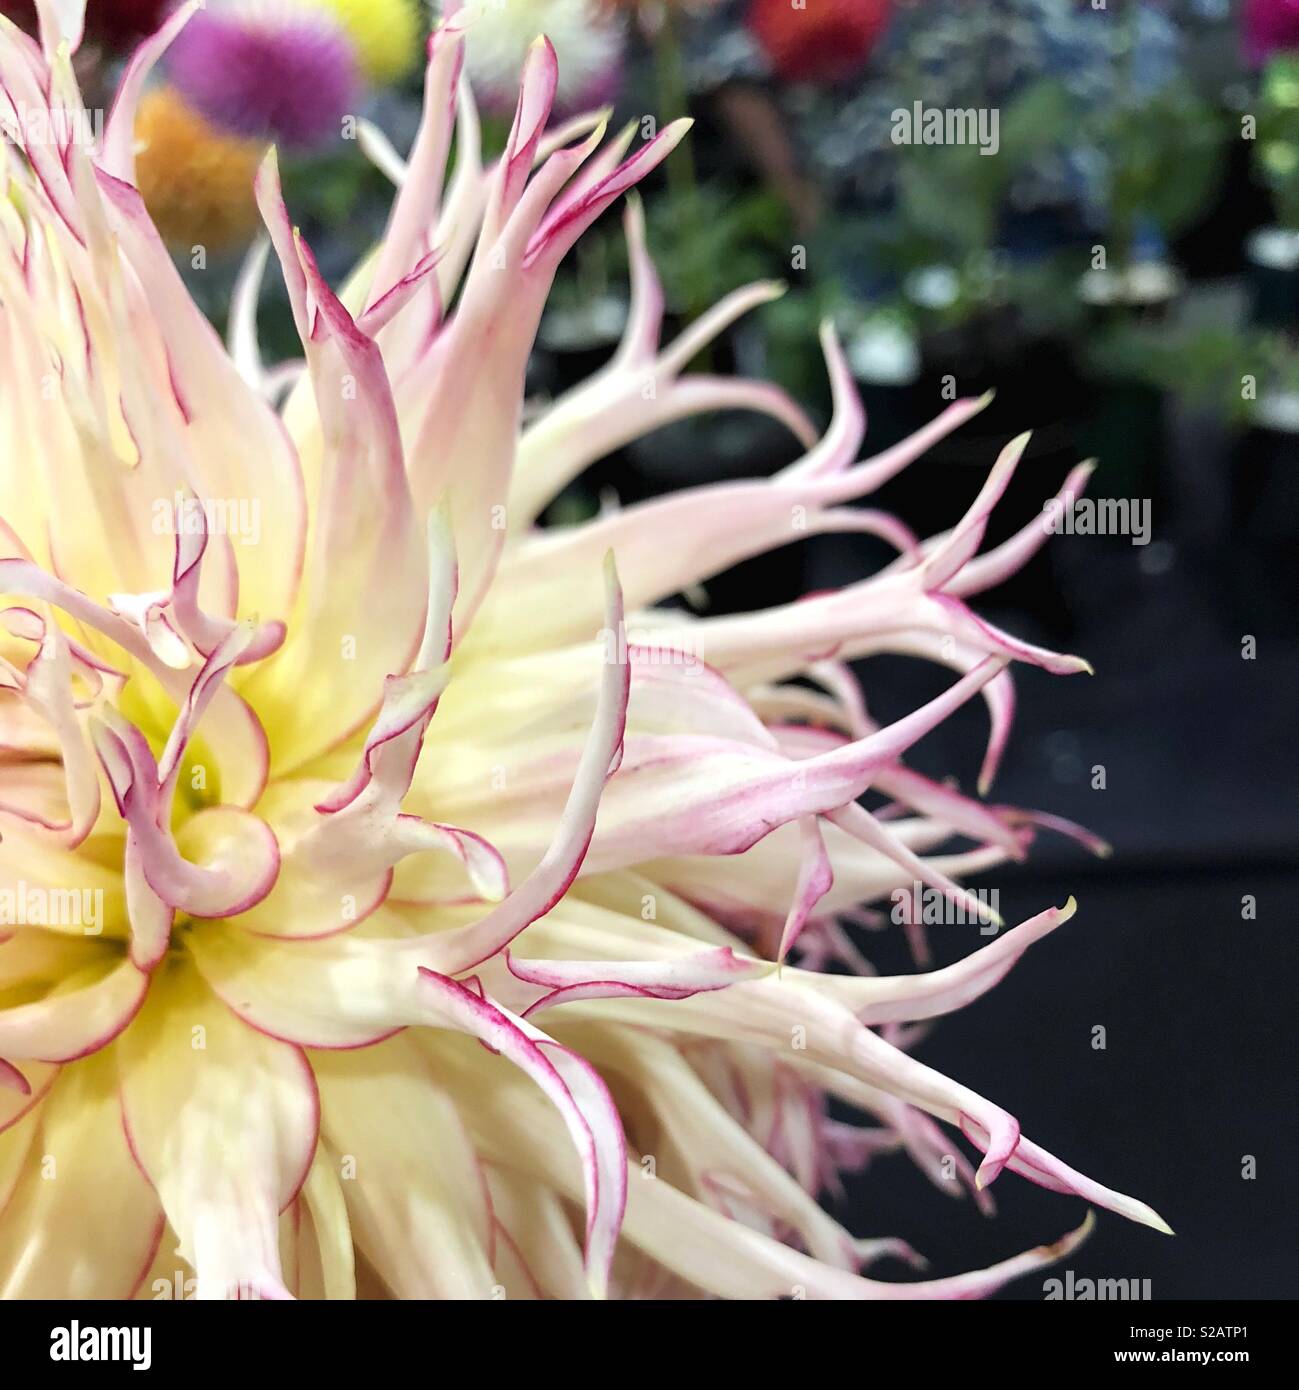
(394, 892)
(1268, 27)
(284, 70)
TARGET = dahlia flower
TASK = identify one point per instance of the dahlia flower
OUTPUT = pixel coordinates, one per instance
(826, 41)
(284, 70)
(386, 34)
(587, 37)
(196, 180)
(400, 895)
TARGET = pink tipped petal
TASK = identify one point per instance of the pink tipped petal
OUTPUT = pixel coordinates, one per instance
(366, 570)
(1093, 843)
(464, 948)
(678, 978)
(118, 155)
(1034, 1163)
(572, 216)
(240, 855)
(962, 544)
(858, 822)
(414, 217)
(988, 570)
(815, 879)
(614, 407)
(906, 998)
(573, 1087)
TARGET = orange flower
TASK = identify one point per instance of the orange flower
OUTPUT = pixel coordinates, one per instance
(197, 182)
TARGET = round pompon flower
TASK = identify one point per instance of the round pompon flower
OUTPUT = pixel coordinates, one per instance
(499, 33)
(281, 70)
(825, 41)
(390, 886)
(386, 34)
(1269, 26)
(196, 180)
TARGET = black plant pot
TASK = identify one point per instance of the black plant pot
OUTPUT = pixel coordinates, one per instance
(1272, 257)
(1261, 580)
(1037, 389)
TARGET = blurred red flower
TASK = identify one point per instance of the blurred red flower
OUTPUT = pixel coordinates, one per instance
(820, 41)
(118, 23)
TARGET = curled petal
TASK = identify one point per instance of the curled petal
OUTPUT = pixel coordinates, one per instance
(74, 1022)
(577, 1092)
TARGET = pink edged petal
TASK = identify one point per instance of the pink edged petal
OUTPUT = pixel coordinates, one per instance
(815, 879)
(678, 978)
(946, 805)
(204, 632)
(893, 460)
(465, 446)
(482, 861)
(365, 576)
(12, 1079)
(703, 796)
(572, 215)
(463, 948)
(76, 1021)
(614, 407)
(906, 998)
(988, 570)
(1032, 1162)
(726, 1258)
(46, 688)
(414, 216)
(965, 624)
(344, 846)
(83, 1223)
(537, 86)
(1041, 820)
(859, 823)
(960, 546)
(234, 731)
(902, 609)
(575, 1089)
(240, 856)
(763, 1011)
(223, 1122)
(118, 154)
(151, 918)
(410, 701)
(246, 456)
(204, 689)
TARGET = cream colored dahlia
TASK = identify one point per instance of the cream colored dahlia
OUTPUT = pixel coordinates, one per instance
(587, 37)
(385, 912)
